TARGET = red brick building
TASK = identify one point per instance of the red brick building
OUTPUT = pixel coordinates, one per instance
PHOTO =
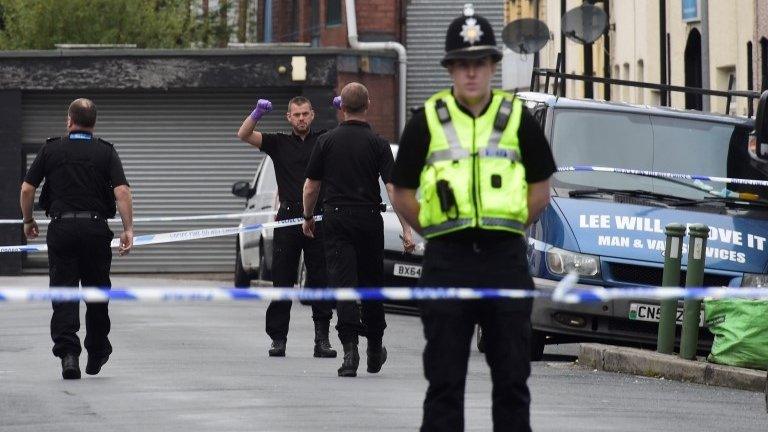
(322, 23)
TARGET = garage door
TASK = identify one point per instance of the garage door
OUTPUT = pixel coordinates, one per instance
(427, 21)
(181, 155)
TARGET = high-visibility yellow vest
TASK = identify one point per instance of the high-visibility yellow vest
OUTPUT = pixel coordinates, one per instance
(479, 158)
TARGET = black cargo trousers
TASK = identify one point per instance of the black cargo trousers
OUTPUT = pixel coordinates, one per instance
(289, 242)
(79, 253)
(354, 254)
(449, 326)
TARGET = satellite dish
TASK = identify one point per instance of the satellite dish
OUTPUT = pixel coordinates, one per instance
(525, 36)
(584, 24)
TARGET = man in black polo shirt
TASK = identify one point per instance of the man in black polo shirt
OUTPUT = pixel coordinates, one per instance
(290, 154)
(347, 162)
(83, 179)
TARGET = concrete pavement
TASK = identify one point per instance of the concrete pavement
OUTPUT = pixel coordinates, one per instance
(203, 367)
(650, 363)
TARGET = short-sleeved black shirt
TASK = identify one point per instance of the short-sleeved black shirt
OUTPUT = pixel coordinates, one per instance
(414, 143)
(290, 154)
(349, 161)
(71, 187)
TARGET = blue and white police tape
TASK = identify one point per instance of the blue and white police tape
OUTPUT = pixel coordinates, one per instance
(564, 293)
(161, 218)
(665, 175)
(175, 236)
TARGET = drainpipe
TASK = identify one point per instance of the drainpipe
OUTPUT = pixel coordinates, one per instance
(383, 46)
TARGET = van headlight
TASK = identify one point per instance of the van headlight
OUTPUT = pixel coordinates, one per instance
(562, 262)
(754, 280)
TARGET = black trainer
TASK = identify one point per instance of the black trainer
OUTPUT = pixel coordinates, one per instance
(278, 348)
(95, 363)
(351, 361)
(70, 367)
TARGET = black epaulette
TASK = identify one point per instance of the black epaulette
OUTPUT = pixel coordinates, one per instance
(103, 141)
(51, 139)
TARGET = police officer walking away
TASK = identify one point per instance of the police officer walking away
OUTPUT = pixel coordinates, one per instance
(482, 166)
(347, 162)
(83, 179)
(290, 154)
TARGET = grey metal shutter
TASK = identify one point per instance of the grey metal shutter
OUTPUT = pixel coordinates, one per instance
(427, 21)
(181, 155)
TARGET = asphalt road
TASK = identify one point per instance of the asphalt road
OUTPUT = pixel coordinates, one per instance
(204, 367)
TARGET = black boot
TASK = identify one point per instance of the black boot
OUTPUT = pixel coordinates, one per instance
(322, 342)
(377, 355)
(351, 361)
(278, 348)
(70, 367)
(95, 363)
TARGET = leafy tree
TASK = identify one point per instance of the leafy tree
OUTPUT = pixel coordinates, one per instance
(41, 24)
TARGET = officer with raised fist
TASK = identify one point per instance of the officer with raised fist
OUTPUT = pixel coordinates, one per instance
(290, 154)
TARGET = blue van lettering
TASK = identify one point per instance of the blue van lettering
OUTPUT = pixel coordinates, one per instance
(754, 241)
(633, 223)
(656, 244)
(594, 221)
(613, 241)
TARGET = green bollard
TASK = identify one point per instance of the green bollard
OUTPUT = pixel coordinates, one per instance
(672, 259)
(697, 252)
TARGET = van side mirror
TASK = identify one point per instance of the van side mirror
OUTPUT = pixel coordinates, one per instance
(242, 189)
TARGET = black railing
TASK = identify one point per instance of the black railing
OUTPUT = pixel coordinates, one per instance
(559, 77)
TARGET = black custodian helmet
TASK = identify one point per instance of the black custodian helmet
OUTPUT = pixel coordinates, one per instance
(470, 36)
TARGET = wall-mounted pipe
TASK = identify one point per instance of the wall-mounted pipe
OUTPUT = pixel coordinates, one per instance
(387, 46)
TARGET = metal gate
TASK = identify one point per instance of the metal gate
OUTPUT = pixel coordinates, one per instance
(427, 21)
(181, 155)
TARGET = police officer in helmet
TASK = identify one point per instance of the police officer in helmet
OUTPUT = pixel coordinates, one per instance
(84, 186)
(482, 166)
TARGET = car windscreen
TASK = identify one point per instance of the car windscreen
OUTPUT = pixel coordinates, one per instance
(652, 143)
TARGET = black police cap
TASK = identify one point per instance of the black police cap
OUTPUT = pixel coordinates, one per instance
(470, 36)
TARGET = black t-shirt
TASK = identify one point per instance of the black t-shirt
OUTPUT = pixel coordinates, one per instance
(290, 154)
(80, 173)
(414, 144)
(349, 161)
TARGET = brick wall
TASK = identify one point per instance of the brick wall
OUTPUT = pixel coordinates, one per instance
(382, 90)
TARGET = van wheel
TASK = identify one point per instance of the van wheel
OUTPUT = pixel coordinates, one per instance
(538, 342)
(242, 278)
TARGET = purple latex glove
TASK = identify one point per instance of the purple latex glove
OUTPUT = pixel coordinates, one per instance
(263, 106)
(337, 102)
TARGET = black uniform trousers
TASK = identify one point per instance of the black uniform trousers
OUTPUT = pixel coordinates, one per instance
(449, 327)
(79, 252)
(354, 254)
(288, 244)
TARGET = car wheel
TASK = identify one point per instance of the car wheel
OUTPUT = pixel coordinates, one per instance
(262, 267)
(242, 278)
(538, 342)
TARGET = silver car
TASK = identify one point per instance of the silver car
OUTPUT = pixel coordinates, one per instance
(254, 249)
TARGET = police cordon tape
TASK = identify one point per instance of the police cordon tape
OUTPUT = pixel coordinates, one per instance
(565, 292)
(664, 175)
(575, 168)
(176, 236)
(160, 218)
